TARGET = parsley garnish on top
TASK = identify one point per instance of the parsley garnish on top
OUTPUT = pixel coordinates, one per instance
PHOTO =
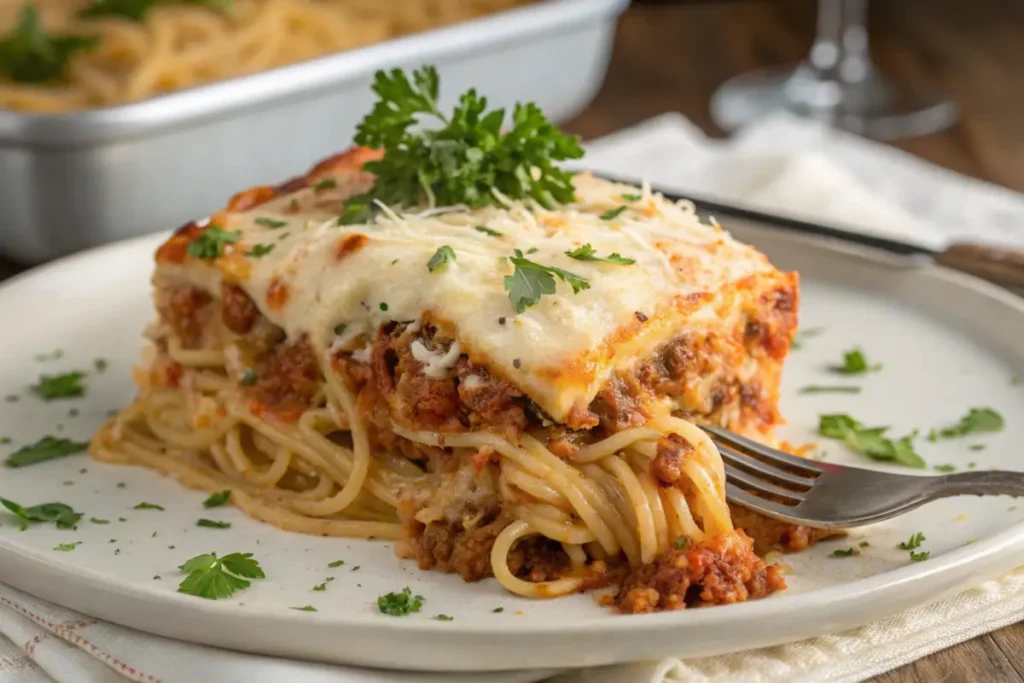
(260, 250)
(217, 499)
(487, 231)
(870, 441)
(213, 524)
(61, 514)
(66, 385)
(977, 420)
(588, 253)
(47, 448)
(531, 280)
(213, 577)
(209, 245)
(270, 223)
(28, 54)
(849, 552)
(466, 159)
(630, 197)
(400, 604)
(441, 257)
(854, 363)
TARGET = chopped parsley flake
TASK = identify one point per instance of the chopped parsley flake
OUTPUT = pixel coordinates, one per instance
(914, 542)
(629, 197)
(976, 447)
(854, 363)
(325, 184)
(212, 524)
(270, 223)
(976, 421)
(828, 389)
(588, 253)
(613, 213)
(383, 306)
(531, 280)
(920, 557)
(67, 547)
(320, 586)
(443, 617)
(498, 610)
(441, 257)
(306, 608)
(66, 385)
(260, 250)
(97, 520)
(100, 364)
(944, 468)
(849, 552)
(400, 604)
(210, 243)
(213, 577)
(870, 441)
(148, 506)
(249, 377)
(487, 231)
(863, 544)
(47, 448)
(217, 499)
(681, 542)
(59, 513)
(335, 564)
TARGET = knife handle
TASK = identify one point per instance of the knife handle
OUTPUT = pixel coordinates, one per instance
(1004, 267)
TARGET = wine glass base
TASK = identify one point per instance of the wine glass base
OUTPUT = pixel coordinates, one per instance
(872, 108)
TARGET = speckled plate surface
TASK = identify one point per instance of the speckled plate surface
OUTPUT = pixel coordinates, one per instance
(946, 342)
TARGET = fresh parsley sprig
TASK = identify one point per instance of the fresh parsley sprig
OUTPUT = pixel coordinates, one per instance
(441, 257)
(975, 421)
(47, 448)
(59, 513)
(855, 363)
(529, 281)
(870, 441)
(65, 385)
(28, 54)
(213, 577)
(588, 253)
(464, 160)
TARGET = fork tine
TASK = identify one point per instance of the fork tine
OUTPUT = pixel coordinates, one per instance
(763, 469)
(734, 494)
(772, 455)
(754, 485)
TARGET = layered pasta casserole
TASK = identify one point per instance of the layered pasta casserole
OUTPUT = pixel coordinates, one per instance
(505, 390)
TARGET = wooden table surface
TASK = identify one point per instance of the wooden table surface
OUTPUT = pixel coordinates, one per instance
(670, 56)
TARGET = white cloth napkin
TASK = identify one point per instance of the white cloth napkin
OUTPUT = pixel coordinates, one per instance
(783, 165)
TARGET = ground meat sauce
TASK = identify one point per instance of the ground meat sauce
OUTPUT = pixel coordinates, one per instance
(287, 380)
(450, 403)
(237, 310)
(185, 310)
(450, 548)
(771, 534)
(667, 466)
(720, 571)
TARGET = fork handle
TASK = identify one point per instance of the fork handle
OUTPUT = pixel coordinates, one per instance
(982, 483)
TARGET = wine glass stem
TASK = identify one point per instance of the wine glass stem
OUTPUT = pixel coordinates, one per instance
(840, 50)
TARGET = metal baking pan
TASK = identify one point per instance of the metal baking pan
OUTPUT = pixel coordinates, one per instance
(72, 181)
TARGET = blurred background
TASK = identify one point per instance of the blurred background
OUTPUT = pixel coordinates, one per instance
(110, 109)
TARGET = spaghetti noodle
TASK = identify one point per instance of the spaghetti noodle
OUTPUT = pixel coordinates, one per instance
(180, 44)
(338, 386)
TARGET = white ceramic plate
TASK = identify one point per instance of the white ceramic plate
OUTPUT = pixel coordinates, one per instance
(947, 343)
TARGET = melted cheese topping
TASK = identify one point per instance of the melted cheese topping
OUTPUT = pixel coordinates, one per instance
(320, 275)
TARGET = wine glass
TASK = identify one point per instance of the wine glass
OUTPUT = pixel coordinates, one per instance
(837, 84)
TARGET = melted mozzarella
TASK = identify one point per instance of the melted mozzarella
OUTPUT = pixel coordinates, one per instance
(560, 351)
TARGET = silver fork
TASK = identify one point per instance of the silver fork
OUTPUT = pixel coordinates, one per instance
(829, 496)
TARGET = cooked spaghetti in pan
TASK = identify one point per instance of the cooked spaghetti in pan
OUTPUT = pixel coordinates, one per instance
(63, 55)
(451, 343)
